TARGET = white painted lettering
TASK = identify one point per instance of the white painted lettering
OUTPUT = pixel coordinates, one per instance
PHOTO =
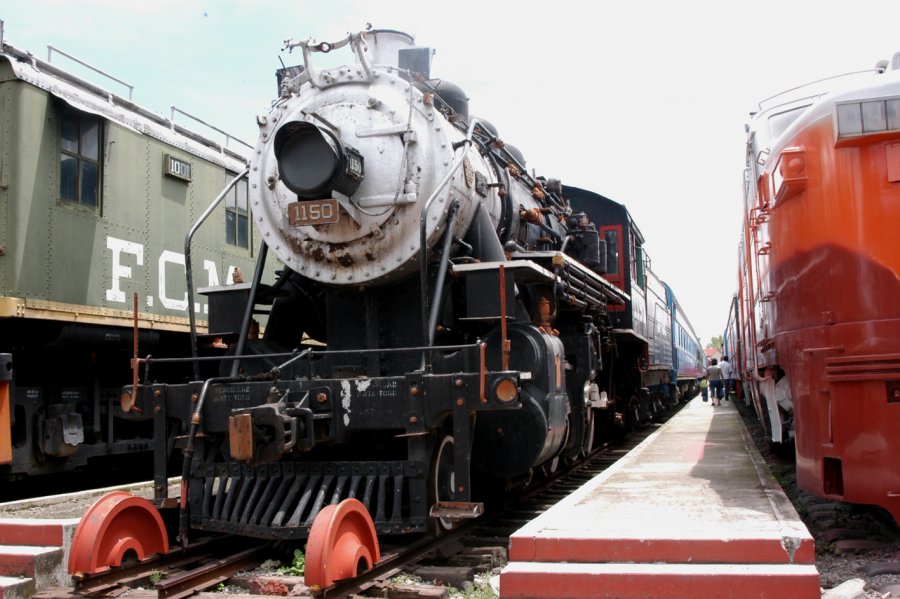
(210, 267)
(170, 257)
(119, 270)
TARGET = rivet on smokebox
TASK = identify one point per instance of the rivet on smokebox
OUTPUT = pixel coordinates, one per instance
(321, 397)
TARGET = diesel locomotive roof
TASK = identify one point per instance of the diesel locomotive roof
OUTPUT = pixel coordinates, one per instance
(89, 97)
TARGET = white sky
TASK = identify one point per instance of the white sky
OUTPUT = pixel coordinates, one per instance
(644, 102)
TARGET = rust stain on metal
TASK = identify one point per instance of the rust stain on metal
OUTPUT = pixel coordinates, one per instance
(318, 255)
(240, 436)
(345, 260)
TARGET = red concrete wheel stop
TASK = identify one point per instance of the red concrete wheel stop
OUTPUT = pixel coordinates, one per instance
(342, 544)
(118, 526)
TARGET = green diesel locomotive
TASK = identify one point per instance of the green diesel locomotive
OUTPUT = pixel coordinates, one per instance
(96, 194)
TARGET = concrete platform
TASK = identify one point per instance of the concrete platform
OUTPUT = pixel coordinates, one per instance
(33, 555)
(691, 512)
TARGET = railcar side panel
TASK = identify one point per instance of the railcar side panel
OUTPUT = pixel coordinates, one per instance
(818, 282)
(88, 217)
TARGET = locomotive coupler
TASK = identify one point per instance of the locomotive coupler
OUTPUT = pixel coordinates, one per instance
(267, 432)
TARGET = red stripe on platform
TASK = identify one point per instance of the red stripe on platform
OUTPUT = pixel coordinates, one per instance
(629, 581)
(43, 535)
(713, 550)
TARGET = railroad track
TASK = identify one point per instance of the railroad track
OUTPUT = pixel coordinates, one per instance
(211, 561)
(483, 536)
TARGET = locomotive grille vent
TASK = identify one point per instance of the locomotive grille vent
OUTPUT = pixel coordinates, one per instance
(847, 369)
(281, 500)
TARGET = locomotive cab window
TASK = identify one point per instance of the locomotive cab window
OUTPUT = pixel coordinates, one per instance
(81, 143)
(612, 252)
(237, 222)
(638, 266)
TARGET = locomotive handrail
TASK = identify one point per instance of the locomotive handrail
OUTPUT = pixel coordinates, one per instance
(787, 91)
(248, 309)
(228, 136)
(189, 271)
(52, 49)
(309, 352)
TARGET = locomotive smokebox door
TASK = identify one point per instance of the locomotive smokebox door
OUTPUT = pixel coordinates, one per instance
(483, 295)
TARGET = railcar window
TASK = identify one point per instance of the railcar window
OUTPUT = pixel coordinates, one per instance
(237, 223)
(637, 271)
(79, 160)
(612, 252)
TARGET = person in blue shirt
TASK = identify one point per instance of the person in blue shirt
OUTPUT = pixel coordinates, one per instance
(727, 376)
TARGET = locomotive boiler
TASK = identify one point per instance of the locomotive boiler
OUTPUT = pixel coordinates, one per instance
(440, 323)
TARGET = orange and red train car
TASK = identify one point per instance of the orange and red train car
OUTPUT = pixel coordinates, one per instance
(815, 324)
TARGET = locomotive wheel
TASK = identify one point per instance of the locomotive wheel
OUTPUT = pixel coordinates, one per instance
(342, 544)
(632, 414)
(117, 527)
(587, 445)
(549, 468)
(442, 480)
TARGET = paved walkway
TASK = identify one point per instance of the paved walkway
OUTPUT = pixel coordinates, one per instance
(692, 512)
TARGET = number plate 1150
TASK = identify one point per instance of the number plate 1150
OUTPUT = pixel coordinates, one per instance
(313, 212)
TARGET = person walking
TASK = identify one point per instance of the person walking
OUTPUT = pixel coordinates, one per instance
(716, 382)
(726, 376)
(704, 391)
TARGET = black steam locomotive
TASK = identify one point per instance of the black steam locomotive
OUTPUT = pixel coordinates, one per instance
(441, 318)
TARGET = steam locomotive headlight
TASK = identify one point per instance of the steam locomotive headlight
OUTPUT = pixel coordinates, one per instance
(313, 163)
(506, 390)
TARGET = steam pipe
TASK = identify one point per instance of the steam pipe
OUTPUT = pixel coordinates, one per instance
(423, 250)
(184, 514)
(442, 273)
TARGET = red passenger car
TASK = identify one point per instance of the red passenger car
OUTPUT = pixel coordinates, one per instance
(817, 317)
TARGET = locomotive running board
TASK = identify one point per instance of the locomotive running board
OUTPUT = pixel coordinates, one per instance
(456, 510)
